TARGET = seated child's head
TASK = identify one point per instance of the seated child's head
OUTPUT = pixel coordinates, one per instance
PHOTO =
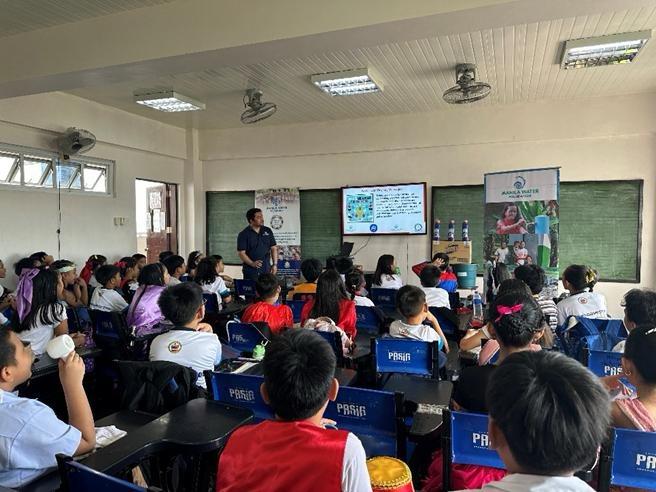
(299, 369)
(206, 271)
(343, 265)
(141, 260)
(182, 304)
(311, 269)
(443, 263)
(220, 266)
(164, 255)
(411, 302)
(354, 281)
(515, 319)
(430, 276)
(109, 276)
(128, 267)
(153, 274)
(175, 265)
(66, 269)
(577, 278)
(42, 257)
(548, 414)
(25, 264)
(513, 286)
(638, 361)
(532, 275)
(16, 360)
(639, 308)
(47, 288)
(193, 259)
(267, 286)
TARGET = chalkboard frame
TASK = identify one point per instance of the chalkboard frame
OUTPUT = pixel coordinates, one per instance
(639, 182)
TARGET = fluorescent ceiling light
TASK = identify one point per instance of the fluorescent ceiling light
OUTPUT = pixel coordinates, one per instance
(348, 83)
(603, 50)
(168, 101)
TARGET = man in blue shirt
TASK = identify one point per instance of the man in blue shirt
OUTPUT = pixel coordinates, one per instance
(30, 432)
(256, 246)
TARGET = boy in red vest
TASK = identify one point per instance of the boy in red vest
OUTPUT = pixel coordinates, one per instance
(295, 451)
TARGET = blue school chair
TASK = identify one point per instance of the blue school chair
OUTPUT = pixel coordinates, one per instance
(240, 390)
(335, 341)
(375, 417)
(296, 307)
(446, 318)
(110, 326)
(400, 355)
(384, 298)
(211, 302)
(465, 441)
(603, 363)
(369, 319)
(244, 336)
(629, 460)
(246, 288)
(76, 477)
(595, 334)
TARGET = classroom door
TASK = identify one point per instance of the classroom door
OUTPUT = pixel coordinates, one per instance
(157, 205)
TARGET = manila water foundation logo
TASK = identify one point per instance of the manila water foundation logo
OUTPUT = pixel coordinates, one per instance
(519, 183)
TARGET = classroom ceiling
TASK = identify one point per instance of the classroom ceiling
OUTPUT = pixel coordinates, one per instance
(29, 15)
(515, 43)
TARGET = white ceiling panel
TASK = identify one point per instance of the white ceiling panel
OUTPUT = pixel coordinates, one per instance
(521, 62)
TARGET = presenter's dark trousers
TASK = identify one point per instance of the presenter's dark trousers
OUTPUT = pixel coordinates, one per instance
(250, 273)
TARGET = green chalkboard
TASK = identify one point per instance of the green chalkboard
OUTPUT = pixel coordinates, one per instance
(600, 224)
(321, 229)
(226, 217)
(321, 233)
(460, 203)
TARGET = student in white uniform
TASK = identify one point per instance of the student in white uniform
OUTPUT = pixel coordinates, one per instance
(435, 296)
(354, 281)
(40, 314)
(639, 309)
(189, 343)
(571, 421)
(30, 433)
(386, 276)
(411, 303)
(579, 280)
(176, 266)
(106, 297)
(207, 276)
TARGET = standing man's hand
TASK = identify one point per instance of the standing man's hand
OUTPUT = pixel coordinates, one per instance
(274, 269)
(257, 264)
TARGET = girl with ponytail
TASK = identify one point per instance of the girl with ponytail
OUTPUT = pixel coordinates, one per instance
(515, 320)
(580, 280)
(354, 281)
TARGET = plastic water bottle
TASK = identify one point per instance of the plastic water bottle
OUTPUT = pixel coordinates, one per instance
(477, 307)
(436, 231)
(465, 230)
(451, 233)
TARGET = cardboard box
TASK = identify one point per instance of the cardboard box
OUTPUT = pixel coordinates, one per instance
(458, 251)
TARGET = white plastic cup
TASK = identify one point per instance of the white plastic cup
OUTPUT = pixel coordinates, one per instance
(59, 347)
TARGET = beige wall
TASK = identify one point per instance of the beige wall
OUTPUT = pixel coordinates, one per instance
(141, 148)
(595, 139)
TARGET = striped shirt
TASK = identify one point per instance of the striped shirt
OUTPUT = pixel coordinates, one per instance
(548, 308)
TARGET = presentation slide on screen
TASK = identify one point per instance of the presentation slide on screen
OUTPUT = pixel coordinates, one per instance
(388, 209)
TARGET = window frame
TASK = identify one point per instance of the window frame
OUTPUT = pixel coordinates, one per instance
(25, 153)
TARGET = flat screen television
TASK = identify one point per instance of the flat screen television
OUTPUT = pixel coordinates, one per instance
(384, 209)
